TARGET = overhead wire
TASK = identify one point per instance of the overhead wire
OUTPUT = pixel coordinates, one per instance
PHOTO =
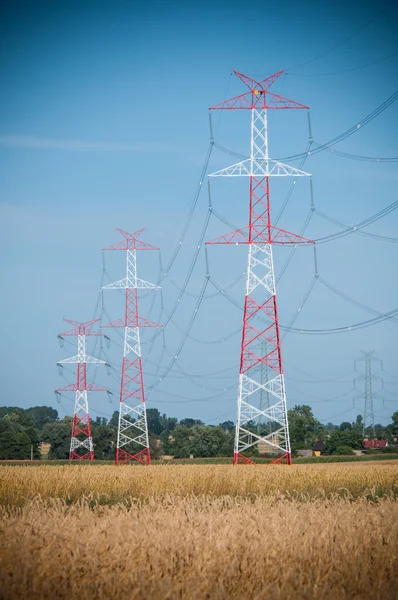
(342, 43)
(311, 398)
(355, 230)
(372, 219)
(353, 129)
(336, 140)
(333, 330)
(348, 298)
(184, 338)
(341, 72)
(359, 157)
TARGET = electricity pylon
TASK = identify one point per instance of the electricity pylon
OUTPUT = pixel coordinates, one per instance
(132, 433)
(368, 395)
(260, 318)
(81, 439)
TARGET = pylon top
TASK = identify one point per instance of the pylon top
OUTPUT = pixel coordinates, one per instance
(131, 241)
(258, 96)
(81, 328)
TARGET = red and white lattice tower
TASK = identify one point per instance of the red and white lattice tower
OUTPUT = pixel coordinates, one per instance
(81, 443)
(260, 318)
(132, 434)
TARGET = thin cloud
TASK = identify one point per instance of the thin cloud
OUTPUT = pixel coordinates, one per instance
(40, 143)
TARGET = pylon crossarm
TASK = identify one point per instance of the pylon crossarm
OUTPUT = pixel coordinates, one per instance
(123, 284)
(260, 100)
(76, 359)
(260, 168)
(263, 84)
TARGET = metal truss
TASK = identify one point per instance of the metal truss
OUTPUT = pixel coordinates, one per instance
(132, 435)
(256, 425)
(81, 444)
(369, 395)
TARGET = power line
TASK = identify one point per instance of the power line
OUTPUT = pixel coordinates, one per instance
(333, 330)
(344, 41)
(364, 66)
(362, 158)
(355, 229)
(351, 300)
(372, 219)
(336, 140)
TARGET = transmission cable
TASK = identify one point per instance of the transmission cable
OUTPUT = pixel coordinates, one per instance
(185, 337)
(359, 232)
(382, 317)
(344, 41)
(336, 140)
(372, 219)
(362, 158)
(369, 64)
(351, 300)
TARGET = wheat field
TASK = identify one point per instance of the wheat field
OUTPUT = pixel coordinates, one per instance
(199, 532)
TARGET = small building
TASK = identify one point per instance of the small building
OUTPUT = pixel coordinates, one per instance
(45, 449)
(304, 452)
(376, 444)
(319, 447)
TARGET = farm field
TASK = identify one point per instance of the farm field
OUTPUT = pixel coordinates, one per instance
(199, 531)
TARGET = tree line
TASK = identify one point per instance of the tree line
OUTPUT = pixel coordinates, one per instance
(23, 430)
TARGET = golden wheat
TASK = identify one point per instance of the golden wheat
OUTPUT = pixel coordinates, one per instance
(319, 532)
(110, 485)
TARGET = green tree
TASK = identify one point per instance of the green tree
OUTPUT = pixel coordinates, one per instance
(15, 423)
(395, 424)
(58, 434)
(104, 441)
(380, 430)
(190, 422)
(18, 415)
(329, 427)
(304, 428)
(200, 441)
(154, 421)
(155, 446)
(349, 437)
(99, 422)
(114, 420)
(210, 441)
(345, 425)
(358, 425)
(227, 425)
(41, 415)
(178, 442)
(14, 445)
(168, 423)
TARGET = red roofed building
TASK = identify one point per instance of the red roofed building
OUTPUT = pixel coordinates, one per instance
(377, 444)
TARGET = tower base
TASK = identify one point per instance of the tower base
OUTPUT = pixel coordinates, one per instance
(123, 457)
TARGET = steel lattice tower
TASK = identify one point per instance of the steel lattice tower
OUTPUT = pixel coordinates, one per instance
(368, 395)
(132, 434)
(81, 439)
(260, 318)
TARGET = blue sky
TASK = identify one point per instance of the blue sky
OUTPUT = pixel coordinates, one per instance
(104, 123)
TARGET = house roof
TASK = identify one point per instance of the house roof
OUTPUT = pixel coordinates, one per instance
(374, 443)
(319, 445)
